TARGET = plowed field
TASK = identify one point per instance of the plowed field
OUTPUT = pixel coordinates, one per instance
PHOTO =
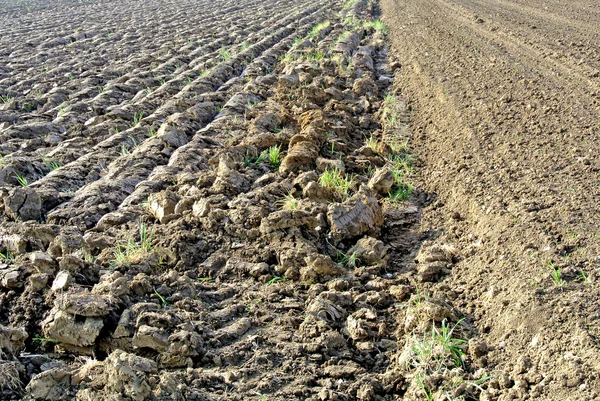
(299, 200)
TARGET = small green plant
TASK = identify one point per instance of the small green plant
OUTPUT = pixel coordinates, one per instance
(419, 298)
(274, 156)
(88, 257)
(42, 340)
(132, 251)
(315, 56)
(349, 4)
(8, 256)
(400, 194)
(335, 180)
(389, 116)
(298, 41)
(163, 301)
(124, 150)
(28, 107)
(583, 276)
(145, 238)
(100, 90)
(244, 46)
(5, 99)
(137, 117)
(428, 395)
(372, 143)
(287, 58)
(556, 274)
(151, 132)
(225, 54)
(351, 22)
(54, 165)
(3, 162)
(348, 260)
(204, 73)
(399, 147)
(316, 30)
(377, 25)
(289, 202)
(275, 279)
(188, 80)
(250, 160)
(22, 180)
(438, 350)
(343, 36)
(61, 110)
(252, 103)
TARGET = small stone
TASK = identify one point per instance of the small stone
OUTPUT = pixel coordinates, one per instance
(183, 205)
(114, 285)
(201, 208)
(11, 279)
(61, 282)
(356, 328)
(230, 376)
(288, 81)
(259, 269)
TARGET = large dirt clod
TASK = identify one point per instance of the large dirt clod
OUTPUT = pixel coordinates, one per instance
(66, 328)
(23, 203)
(12, 340)
(358, 215)
(127, 374)
(163, 205)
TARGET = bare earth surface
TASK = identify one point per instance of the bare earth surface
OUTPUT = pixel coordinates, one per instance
(505, 99)
(252, 200)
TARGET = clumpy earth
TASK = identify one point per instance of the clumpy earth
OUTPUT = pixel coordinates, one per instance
(299, 200)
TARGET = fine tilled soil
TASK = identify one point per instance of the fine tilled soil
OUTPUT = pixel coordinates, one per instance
(299, 200)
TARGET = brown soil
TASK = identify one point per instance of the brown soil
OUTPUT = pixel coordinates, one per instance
(505, 100)
(287, 201)
(155, 245)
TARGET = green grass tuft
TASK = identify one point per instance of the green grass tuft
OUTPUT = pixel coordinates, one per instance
(335, 180)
